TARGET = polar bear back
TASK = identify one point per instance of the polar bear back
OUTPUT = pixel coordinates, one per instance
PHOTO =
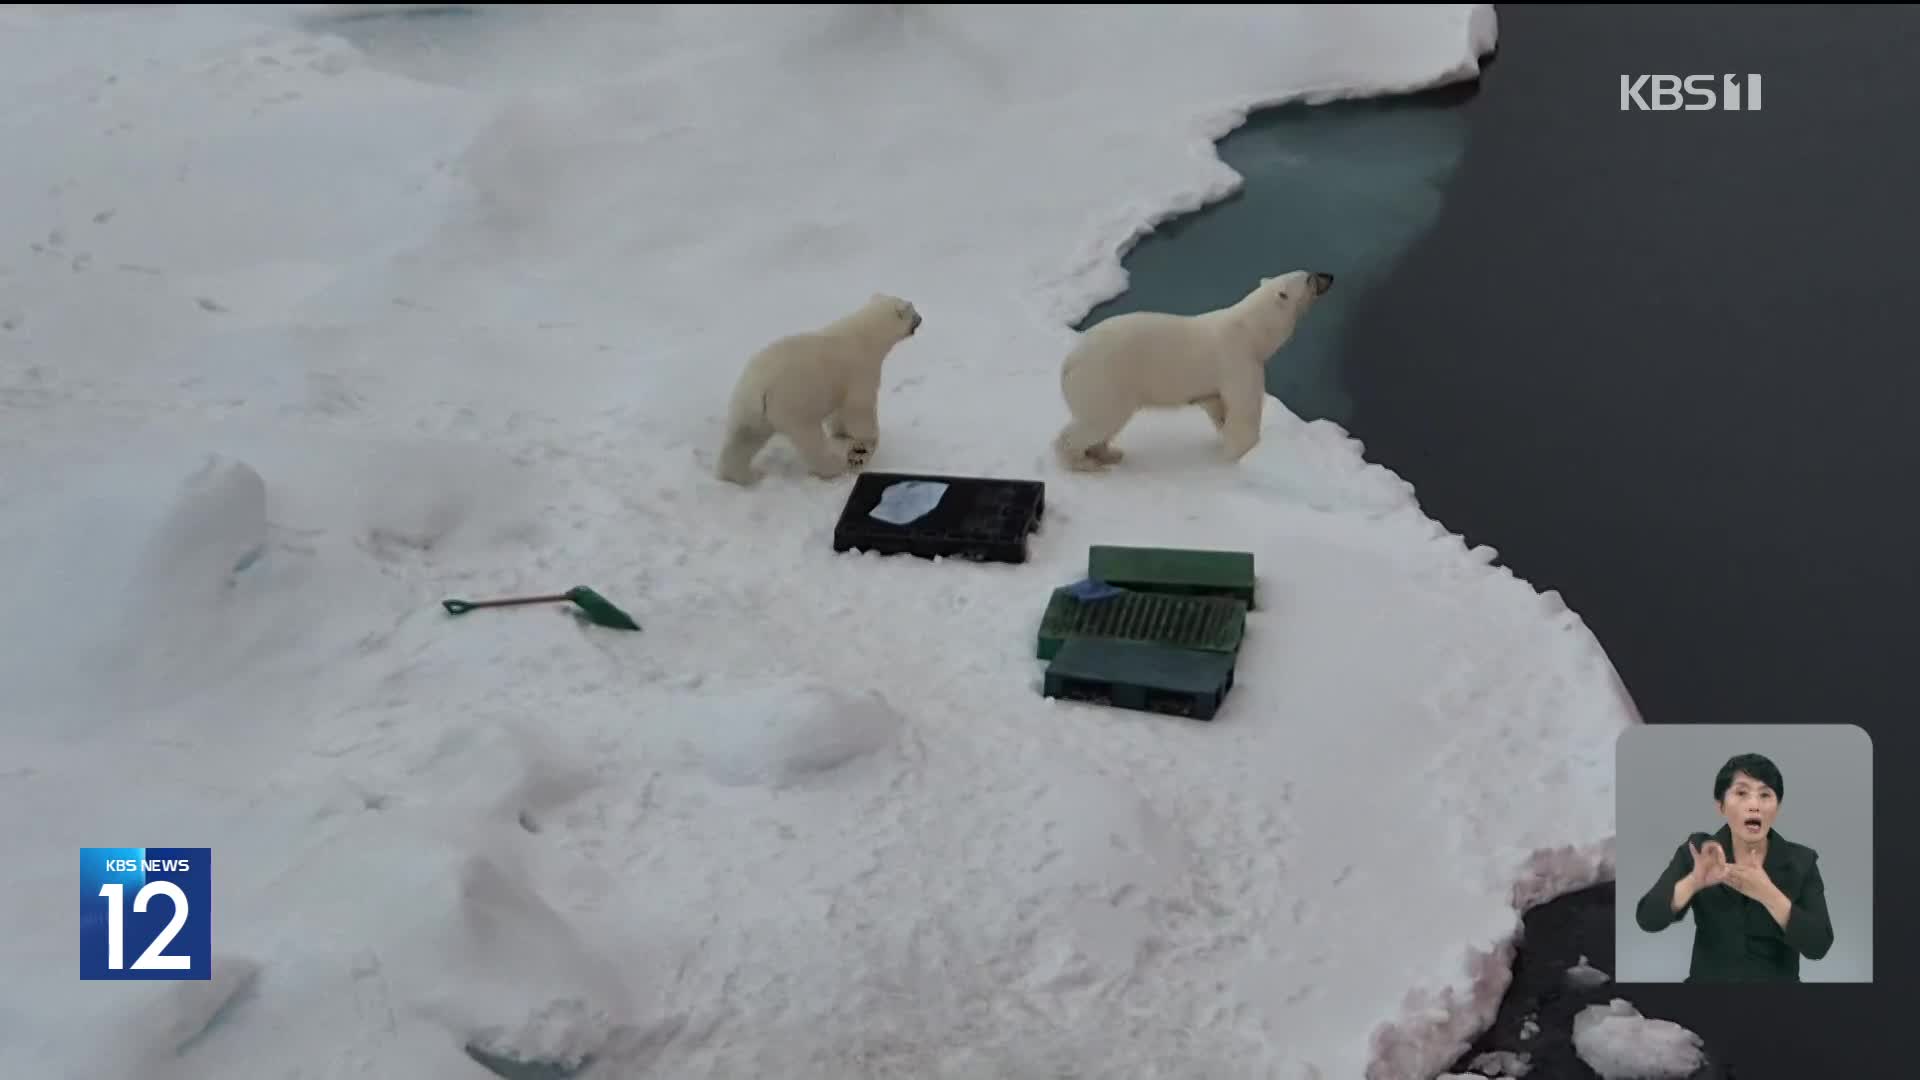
(1148, 359)
(809, 374)
(807, 371)
(1152, 358)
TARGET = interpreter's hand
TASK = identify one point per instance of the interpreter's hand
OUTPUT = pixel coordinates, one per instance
(1749, 879)
(1709, 864)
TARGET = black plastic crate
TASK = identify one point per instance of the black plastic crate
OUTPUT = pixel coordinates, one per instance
(981, 519)
(1141, 676)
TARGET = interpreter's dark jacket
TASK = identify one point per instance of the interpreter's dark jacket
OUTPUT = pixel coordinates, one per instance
(1734, 939)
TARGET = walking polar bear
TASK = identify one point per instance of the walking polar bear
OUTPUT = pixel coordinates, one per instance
(804, 385)
(1153, 360)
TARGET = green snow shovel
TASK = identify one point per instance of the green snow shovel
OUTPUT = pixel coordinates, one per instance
(598, 608)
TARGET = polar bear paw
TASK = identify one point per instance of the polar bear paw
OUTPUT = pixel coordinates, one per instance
(743, 475)
(1087, 462)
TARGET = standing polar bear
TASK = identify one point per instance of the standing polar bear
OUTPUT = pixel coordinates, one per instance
(800, 383)
(1154, 360)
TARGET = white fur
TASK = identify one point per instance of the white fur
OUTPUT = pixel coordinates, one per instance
(800, 383)
(1216, 360)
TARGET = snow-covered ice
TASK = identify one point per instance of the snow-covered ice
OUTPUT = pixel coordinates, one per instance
(308, 322)
(1619, 1044)
(1502, 1064)
(1585, 976)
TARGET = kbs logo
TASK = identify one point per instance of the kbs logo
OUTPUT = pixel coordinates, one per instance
(1694, 93)
(146, 913)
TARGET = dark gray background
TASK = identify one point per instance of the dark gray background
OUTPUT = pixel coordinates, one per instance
(1664, 789)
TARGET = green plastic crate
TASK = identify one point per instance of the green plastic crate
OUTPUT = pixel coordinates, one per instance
(1141, 676)
(1207, 623)
(1178, 571)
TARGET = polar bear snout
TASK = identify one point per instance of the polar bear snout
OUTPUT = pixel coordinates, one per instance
(1321, 283)
(914, 325)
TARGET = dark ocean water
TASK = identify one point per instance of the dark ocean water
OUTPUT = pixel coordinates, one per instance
(1663, 362)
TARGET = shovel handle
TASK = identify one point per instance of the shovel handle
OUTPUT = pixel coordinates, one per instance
(461, 607)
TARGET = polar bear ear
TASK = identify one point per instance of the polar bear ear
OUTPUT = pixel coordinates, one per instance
(1266, 281)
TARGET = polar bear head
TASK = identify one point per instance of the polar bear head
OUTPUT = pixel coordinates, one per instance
(899, 316)
(1279, 303)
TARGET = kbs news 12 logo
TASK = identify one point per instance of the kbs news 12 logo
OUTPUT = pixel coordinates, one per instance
(1694, 93)
(146, 913)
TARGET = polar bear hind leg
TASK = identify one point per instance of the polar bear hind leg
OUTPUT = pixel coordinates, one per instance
(744, 441)
(1084, 444)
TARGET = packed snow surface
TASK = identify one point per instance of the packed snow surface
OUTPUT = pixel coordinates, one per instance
(308, 322)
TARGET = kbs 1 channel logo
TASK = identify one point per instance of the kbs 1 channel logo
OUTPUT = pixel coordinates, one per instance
(146, 913)
(1691, 93)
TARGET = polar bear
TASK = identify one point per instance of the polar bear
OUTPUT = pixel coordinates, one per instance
(798, 383)
(1154, 360)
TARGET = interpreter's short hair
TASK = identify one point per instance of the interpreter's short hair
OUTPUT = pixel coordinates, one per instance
(1757, 766)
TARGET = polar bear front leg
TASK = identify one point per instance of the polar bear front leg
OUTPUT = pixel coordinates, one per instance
(857, 420)
(801, 418)
(1243, 397)
(1215, 409)
(811, 441)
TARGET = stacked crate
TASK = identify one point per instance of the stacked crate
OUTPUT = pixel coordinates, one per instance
(1151, 629)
